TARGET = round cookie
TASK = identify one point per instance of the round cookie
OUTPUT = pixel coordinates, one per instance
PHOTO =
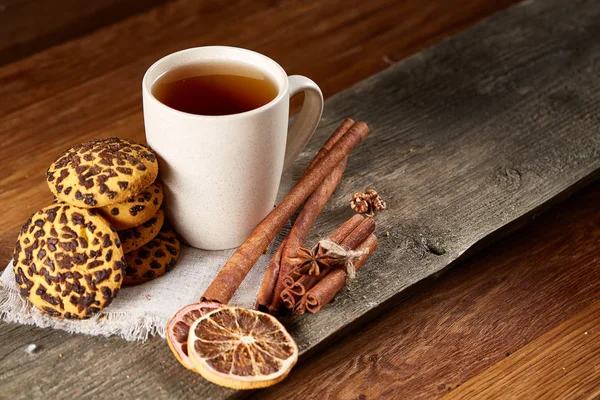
(68, 261)
(102, 172)
(134, 238)
(154, 259)
(135, 210)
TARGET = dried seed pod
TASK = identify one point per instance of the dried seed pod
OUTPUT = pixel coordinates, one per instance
(367, 202)
(360, 203)
(376, 201)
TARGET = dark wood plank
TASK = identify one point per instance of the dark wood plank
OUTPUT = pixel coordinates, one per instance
(473, 317)
(497, 128)
(564, 363)
(91, 87)
(7, 245)
(29, 26)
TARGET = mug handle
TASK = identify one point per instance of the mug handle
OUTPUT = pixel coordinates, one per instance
(306, 123)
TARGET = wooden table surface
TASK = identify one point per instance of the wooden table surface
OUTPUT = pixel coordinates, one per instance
(519, 320)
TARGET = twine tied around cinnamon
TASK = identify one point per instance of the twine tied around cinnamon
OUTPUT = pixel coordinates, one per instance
(344, 255)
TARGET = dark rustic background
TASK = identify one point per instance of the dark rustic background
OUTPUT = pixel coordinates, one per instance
(519, 319)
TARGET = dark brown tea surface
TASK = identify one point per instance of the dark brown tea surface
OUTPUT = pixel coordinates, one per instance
(214, 89)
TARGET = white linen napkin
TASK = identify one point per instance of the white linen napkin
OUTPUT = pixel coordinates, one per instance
(141, 310)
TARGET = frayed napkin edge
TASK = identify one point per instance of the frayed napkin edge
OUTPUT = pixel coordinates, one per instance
(129, 326)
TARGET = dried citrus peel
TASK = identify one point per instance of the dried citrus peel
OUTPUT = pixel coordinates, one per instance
(241, 349)
(179, 326)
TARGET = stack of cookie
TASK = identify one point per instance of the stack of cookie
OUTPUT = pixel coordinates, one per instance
(106, 229)
(149, 244)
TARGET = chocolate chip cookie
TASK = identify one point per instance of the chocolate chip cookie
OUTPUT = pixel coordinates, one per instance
(138, 236)
(135, 210)
(102, 172)
(154, 259)
(68, 261)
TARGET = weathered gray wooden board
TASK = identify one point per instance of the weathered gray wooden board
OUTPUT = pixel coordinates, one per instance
(468, 137)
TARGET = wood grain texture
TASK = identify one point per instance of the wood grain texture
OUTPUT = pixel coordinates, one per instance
(29, 26)
(493, 137)
(562, 364)
(90, 87)
(471, 318)
(434, 104)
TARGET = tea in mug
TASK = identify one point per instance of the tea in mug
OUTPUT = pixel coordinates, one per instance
(215, 88)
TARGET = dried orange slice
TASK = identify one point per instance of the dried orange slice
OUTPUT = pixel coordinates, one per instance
(179, 326)
(241, 349)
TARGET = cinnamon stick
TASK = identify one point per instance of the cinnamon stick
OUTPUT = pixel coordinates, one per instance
(301, 227)
(271, 277)
(288, 281)
(294, 290)
(330, 142)
(304, 283)
(291, 294)
(288, 299)
(267, 286)
(346, 228)
(237, 267)
(359, 234)
(326, 289)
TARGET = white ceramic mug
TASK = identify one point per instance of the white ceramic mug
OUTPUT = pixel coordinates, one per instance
(221, 173)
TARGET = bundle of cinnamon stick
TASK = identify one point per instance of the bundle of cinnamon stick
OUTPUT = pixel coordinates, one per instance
(282, 286)
(311, 292)
(284, 283)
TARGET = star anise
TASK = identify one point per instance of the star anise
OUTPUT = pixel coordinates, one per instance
(367, 202)
(314, 261)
